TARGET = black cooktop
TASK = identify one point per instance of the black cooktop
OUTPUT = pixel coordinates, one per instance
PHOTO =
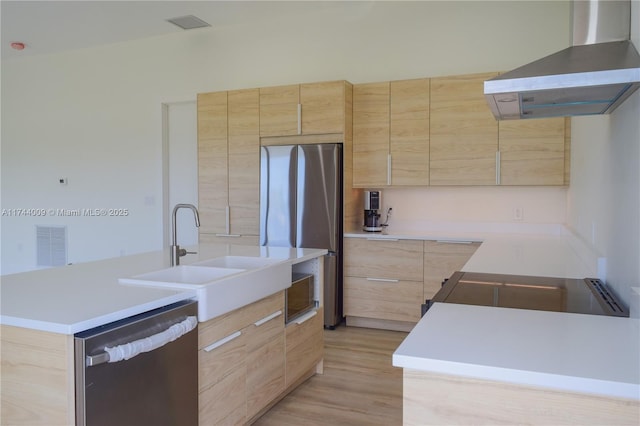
(583, 296)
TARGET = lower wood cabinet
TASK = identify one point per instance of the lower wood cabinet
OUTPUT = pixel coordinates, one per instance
(222, 389)
(241, 362)
(443, 258)
(248, 359)
(37, 377)
(387, 280)
(265, 361)
(383, 282)
(385, 299)
(304, 346)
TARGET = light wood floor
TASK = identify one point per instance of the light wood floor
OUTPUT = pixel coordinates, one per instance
(359, 385)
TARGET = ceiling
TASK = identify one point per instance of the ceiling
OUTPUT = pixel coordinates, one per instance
(53, 26)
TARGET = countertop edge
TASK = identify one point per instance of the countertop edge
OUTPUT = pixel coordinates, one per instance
(581, 385)
(97, 321)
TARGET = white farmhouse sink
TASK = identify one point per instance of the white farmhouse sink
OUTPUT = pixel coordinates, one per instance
(238, 262)
(185, 276)
(221, 284)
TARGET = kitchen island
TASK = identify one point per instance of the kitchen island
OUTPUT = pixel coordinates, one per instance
(491, 365)
(42, 310)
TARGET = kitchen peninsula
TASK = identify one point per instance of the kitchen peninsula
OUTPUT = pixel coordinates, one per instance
(42, 310)
(479, 364)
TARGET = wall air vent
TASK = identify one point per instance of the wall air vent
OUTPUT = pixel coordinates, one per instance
(51, 244)
(188, 22)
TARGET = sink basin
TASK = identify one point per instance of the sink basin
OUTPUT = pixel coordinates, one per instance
(238, 262)
(187, 276)
(222, 284)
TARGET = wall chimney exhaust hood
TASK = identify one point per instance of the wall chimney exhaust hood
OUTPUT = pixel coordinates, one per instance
(594, 76)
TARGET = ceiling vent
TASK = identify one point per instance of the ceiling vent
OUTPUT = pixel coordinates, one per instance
(188, 22)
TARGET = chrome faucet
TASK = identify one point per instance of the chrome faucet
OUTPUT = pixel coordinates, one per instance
(176, 251)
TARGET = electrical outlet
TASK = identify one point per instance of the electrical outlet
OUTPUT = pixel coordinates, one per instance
(518, 213)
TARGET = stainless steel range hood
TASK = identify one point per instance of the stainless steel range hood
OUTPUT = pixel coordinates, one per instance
(594, 76)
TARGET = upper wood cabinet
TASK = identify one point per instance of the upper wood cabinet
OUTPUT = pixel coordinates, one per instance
(304, 109)
(469, 147)
(229, 162)
(532, 152)
(213, 181)
(409, 132)
(391, 133)
(464, 133)
(370, 134)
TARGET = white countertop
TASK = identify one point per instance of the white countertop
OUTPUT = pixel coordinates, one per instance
(78, 297)
(535, 250)
(571, 352)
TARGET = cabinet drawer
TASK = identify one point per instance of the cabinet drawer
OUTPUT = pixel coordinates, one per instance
(215, 364)
(398, 301)
(304, 346)
(383, 258)
(224, 325)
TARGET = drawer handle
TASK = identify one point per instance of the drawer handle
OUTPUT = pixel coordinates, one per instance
(384, 280)
(305, 317)
(383, 239)
(267, 318)
(453, 242)
(228, 235)
(222, 341)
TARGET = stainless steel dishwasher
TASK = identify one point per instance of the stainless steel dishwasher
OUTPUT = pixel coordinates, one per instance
(141, 370)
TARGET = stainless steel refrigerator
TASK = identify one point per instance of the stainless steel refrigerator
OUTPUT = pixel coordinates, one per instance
(301, 206)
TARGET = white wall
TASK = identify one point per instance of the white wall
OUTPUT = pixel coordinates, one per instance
(94, 115)
(604, 197)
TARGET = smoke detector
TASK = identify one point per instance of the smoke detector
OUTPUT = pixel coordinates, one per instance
(188, 22)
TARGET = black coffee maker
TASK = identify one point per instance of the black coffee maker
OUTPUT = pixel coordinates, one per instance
(372, 203)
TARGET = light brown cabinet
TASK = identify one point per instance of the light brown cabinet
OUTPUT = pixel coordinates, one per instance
(304, 109)
(443, 258)
(304, 347)
(370, 134)
(391, 133)
(382, 281)
(469, 147)
(265, 360)
(37, 377)
(241, 362)
(464, 133)
(229, 162)
(387, 280)
(532, 152)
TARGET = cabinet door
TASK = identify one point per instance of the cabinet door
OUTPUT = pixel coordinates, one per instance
(396, 300)
(532, 152)
(383, 258)
(222, 379)
(409, 132)
(244, 161)
(441, 259)
(279, 110)
(464, 133)
(322, 107)
(304, 346)
(213, 184)
(371, 134)
(265, 361)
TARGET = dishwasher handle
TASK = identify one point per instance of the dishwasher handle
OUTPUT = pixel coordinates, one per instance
(131, 349)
